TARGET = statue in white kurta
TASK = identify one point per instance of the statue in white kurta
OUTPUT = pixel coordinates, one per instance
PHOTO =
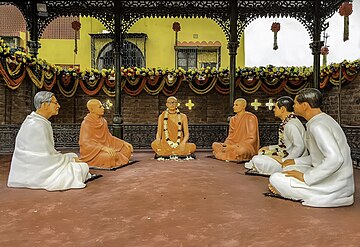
(291, 141)
(35, 163)
(325, 177)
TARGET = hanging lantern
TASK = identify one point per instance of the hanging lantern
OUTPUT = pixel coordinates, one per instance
(76, 26)
(275, 28)
(176, 27)
(324, 50)
(324, 53)
(346, 10)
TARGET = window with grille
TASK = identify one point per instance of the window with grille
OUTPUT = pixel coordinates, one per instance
(197, 57)
(131, 56)
(186, 58)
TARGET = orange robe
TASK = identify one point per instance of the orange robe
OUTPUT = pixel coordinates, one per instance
(95, 134)
(242, 142)
(162, 148)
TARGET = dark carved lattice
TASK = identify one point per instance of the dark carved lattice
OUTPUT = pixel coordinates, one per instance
(7, 137)
(141, 136)
(219, 11)
(353, 136)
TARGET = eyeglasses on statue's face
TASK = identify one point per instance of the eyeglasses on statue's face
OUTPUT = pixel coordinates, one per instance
(51, 102)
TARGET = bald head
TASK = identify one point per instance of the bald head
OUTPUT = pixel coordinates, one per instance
(171, 104)
(171, 98)
(92, 103)
(94, 106)
(239, 105)
(242, 100)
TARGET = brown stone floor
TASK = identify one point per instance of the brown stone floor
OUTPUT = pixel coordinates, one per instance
(203, 202)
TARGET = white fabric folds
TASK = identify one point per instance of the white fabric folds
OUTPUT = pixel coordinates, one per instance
(328, 170)
(37, 165)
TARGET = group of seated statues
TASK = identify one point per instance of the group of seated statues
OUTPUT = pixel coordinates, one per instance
(312, 165)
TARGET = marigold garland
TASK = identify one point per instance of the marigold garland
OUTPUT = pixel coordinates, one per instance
(14, 66)
(166, 131)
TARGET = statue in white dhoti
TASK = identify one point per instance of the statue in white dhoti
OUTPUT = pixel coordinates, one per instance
(290, 143)
(325, 177)
(35, 163)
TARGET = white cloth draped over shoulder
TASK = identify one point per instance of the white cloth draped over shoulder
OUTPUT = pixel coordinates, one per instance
(294, 136)
(328, 170)
(37, 165)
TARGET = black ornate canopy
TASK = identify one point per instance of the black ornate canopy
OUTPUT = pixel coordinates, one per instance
(233, 16)
(307, 12)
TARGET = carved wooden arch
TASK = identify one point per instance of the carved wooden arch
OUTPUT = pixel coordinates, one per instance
(218, 10)
(42, 25)
(243, 23)
(96, 9)
(133, 11)
(302, 11)
(126, 23)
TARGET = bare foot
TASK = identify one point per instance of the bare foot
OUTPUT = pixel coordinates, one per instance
(273, 190)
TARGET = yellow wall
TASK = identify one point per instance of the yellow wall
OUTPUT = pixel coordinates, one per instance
(161, 39)
(23, 39)
(61, 51)
(159, 46)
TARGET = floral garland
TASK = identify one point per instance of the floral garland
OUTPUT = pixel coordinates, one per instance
(15, 64)
(166, 117)
(281, 151)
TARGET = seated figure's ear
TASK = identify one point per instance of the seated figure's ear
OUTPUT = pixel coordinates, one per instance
(283, 109)
(306, 106)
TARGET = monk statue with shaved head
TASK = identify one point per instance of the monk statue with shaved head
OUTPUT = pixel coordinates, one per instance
(243, 141)
(172, 132)
(98, 147)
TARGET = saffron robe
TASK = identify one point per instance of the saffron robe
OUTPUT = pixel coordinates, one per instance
(242, 142)
(94, 135)
(162, 148)
(36, 164)
(328, 170)
(294, 140)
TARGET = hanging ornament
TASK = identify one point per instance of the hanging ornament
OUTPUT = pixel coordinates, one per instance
(324, 53)
(76, 26)
(275, 28)
(346, 10)
(176, 27)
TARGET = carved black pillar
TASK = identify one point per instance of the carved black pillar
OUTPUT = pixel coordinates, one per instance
(233, 44)
(118, 42)
(34, 44)
(316, 45)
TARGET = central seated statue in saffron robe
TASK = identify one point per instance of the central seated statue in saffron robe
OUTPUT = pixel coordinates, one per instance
(242, 142)
(98, 147)
(172, 132)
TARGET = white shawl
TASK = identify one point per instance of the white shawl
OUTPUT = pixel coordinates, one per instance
(36, 164)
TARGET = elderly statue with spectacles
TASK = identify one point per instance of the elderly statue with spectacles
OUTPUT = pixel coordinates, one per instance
(98, 147)
(172, 132)
(35, 163)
